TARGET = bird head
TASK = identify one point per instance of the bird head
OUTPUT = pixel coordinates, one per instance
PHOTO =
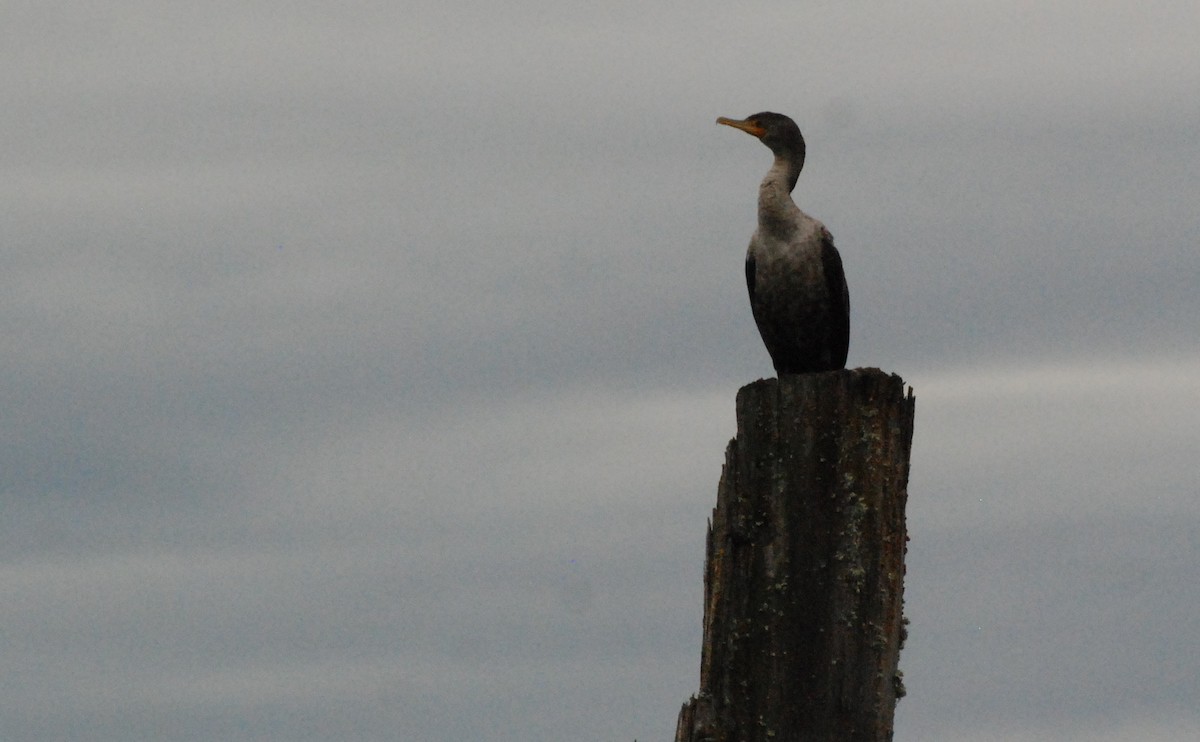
(775, 130)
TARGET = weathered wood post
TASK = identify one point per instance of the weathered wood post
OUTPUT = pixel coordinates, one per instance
(804, 575)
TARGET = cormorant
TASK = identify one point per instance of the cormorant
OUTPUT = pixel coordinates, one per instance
(794, 273)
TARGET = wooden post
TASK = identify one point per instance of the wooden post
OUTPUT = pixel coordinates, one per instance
(804, 576)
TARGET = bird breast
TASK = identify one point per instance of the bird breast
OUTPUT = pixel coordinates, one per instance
(788, 267)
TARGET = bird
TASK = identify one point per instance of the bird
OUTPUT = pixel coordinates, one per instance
(794, 274)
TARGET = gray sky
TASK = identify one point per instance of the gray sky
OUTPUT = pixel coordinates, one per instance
(368, 368)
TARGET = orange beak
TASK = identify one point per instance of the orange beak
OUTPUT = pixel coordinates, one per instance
(747, 126)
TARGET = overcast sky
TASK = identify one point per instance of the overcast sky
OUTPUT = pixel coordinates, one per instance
(367, 367)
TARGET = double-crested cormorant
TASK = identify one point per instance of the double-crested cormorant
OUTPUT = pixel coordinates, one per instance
(794, 273)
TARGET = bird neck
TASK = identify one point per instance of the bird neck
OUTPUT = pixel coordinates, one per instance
(775, 204)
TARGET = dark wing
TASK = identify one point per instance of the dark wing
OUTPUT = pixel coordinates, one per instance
(750, 276)
(839, 301)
